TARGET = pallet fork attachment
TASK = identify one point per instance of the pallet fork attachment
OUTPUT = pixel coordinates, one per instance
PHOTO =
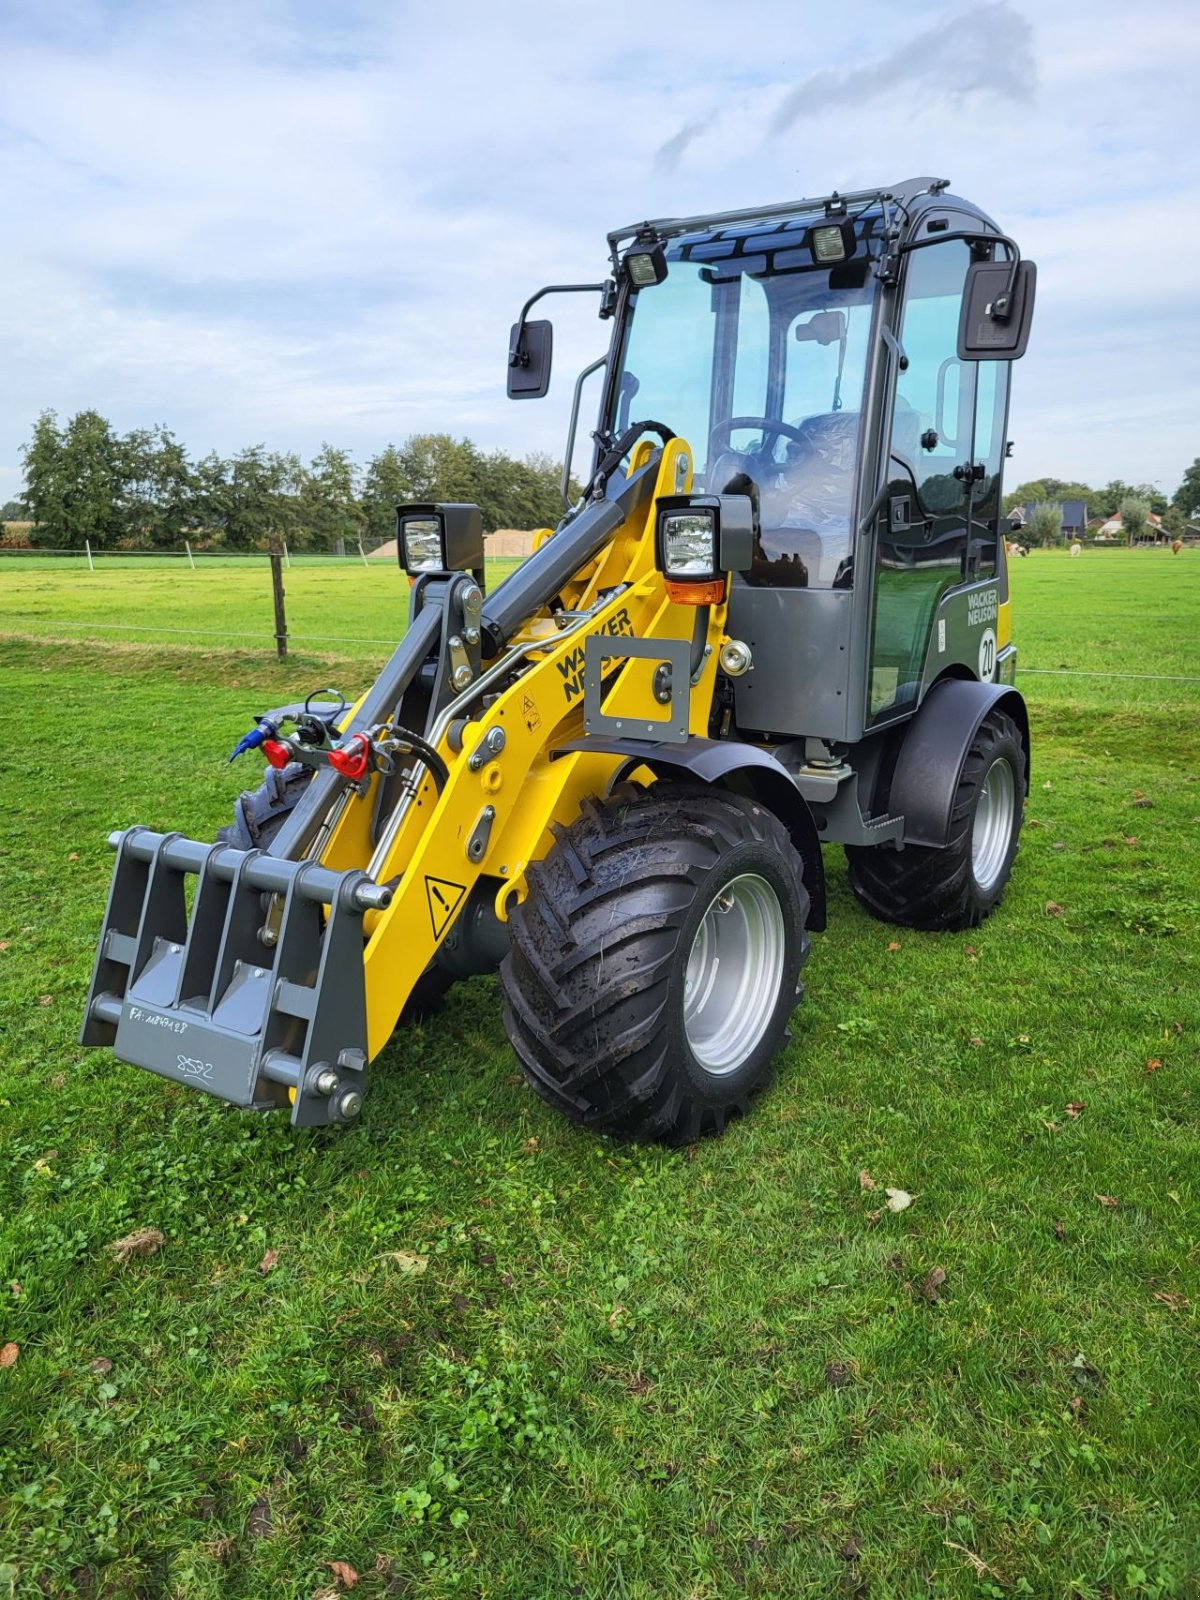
(208, 1004)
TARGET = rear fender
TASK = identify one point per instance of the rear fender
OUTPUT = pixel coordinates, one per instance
(741, 769)
(934, 747)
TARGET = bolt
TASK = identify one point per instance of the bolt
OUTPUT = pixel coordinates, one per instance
(461, 676)
(327, 1081)
(735, 658)
(471, 635)
(495, 740)
(350, 1104)
(455, 642)
(268, 936)
(175, 949)
(472, 601)
(260, 972)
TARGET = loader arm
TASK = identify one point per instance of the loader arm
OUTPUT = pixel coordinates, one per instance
(291, 969)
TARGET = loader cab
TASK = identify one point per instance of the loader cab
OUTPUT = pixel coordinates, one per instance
(813, 362)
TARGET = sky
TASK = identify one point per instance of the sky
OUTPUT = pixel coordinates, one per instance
(290, 221)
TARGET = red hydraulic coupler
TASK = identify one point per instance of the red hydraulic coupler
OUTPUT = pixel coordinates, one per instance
(353, 759)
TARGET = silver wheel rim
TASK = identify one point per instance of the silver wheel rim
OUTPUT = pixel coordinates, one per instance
(992, 830)
(733, 973)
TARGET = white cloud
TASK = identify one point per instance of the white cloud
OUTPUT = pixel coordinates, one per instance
(291, 223)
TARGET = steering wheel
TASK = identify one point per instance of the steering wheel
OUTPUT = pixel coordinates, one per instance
(720, 436)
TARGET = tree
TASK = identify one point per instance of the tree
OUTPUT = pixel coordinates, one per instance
(441, 468)
(1186, 498)
(158, 487)
(1045, 525)
(74, 482)
(250, 499)
(1135, 514)
(386, 485)
(12, 511)
(328, 510)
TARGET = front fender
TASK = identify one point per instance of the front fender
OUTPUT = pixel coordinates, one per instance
(742, 769)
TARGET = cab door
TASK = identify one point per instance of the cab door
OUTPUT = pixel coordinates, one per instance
(922, 545)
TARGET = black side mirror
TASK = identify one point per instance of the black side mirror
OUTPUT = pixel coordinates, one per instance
(530, 348)
(994, 325)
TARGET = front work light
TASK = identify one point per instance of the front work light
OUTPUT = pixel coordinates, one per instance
(698, 539)
(447, 537)
(422, 538)
(645, 263)
(832, 242)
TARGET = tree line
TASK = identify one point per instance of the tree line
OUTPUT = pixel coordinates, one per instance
(141, 490)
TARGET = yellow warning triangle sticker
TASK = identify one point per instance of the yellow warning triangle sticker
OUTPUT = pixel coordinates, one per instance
(444, 900)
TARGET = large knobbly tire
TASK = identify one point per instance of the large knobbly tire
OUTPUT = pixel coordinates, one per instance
(920, 887)
(258, 815)
(643, 895)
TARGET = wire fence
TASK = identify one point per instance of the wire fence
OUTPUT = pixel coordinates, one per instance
(360, 552)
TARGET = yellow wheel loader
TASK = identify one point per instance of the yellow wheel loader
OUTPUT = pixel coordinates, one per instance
(776, 616)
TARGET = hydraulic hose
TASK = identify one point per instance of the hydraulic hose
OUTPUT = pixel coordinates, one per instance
(540, 576)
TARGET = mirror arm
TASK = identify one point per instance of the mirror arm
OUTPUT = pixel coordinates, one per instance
(517, 355)
(1001, 308)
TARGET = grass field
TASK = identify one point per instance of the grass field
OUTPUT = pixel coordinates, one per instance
(466, 1349)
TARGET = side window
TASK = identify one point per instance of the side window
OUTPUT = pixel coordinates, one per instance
(991, 397)
(931, 424)
(921, 554)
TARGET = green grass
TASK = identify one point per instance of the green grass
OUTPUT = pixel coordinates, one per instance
(620, 1372)
(333, 607)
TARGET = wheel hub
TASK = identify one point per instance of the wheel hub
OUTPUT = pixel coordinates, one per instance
(991, 832)
(733, 974)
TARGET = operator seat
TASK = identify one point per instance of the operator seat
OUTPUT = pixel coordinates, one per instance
(803, 503)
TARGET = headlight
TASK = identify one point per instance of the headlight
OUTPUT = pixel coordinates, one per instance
(698, 539)
(423, 548)
(446, 537)
(689, 544)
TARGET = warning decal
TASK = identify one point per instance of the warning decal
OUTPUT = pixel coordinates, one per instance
(530, 712)
(444, 900)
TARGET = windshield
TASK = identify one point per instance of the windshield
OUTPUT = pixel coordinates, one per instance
(759, 361)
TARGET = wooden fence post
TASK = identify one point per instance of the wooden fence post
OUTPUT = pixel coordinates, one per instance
(277, 588)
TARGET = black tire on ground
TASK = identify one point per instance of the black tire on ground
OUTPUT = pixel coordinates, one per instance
(258, 815)
(920, 887)
(630, 906)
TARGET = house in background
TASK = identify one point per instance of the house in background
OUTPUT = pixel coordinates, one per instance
(1074, 516)
(1153, 533)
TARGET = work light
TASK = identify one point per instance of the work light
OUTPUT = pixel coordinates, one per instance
(698, 539)
(832, 242)
(447, 537)
(646, 264)
(689, 543)
(423, 544)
